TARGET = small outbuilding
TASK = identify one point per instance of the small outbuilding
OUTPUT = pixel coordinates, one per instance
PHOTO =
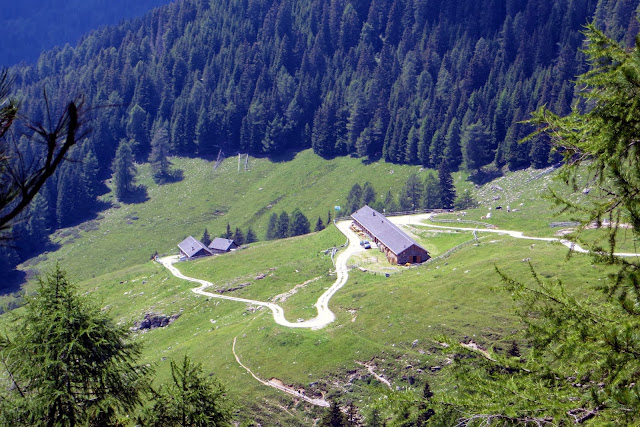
(395, 243)
(193, 248)
(221, 245)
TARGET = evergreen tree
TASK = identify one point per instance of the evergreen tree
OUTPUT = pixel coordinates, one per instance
(137, 131)
(354, 199)
(446, 189)
(37, 224)
(282, 227)
(453, 151)
(334, 417)
(390, 204)
(412, 192)
(238, 237)
(206, 238)
(319, 225)
(124, 171)
(368, 194)
(70, 364)
(329, 218)
(431, 195)
(298, 223)
(476, 143)
(272, 227)
(228, 234)
(159, 155)
(465, 200)
(90, 177)
(190, 398)
(582, 365)
(251, 236)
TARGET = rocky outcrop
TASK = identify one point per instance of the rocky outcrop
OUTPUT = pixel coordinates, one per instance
(154, 320)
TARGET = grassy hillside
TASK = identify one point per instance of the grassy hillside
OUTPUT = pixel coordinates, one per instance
(391, 323)
(127, 234)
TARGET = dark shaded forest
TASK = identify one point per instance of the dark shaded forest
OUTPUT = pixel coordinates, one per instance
(408, 81)
(31, 26)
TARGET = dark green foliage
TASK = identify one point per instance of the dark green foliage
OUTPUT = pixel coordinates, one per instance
(282, 226)
(334, 417)
(190, 398)
(390, 204)
(250, 237)
(328, 217)
(445, 186)
(411, 194)
(397, 80)
(238, 237)
(431, 194)
(206, 238)
(465, 200)
(581, 361)
(124, 171)
(72, 20)
(159, 155)
(477, 143)
(137, 131)
(228, 234)
(272, 227)
(354, 199)
(298, 224)
(69, 364)
(368, 194)
(319, 225)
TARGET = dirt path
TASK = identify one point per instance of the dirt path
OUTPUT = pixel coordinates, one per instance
(324, 317)
(278, 384)
(408, 219)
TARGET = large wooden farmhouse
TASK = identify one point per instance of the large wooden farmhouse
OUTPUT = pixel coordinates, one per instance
(395, 243)
(193, 248)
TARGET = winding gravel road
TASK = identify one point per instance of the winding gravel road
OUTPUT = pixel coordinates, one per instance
(324, 317)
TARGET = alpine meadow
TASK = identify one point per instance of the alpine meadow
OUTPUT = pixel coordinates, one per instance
(320, 213)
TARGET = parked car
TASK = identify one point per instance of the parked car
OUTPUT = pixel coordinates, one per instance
(367, 245)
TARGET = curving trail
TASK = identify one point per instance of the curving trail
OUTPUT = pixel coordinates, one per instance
(324, 317)
(317, 402)
(418, 220)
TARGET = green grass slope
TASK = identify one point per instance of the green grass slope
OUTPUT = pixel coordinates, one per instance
(390, 323)
(127, 234)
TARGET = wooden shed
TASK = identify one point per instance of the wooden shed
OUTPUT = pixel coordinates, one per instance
(221, 245)
(193, 248)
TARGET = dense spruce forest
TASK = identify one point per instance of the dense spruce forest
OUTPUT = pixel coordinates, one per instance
(408, 81)
(31, 26)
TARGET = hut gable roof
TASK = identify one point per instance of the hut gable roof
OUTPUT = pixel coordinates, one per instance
(191, 246)
(384, 230)
(220, 244)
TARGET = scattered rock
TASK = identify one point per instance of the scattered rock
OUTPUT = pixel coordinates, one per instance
(233, 288)
(152, 321)
(260, 276)
(414, 344)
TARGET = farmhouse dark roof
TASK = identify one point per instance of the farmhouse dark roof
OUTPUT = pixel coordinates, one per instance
(384, 230)
(191, 246)
(221, 244)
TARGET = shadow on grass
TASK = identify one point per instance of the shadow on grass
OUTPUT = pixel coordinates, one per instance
(485, 175)
(137, 195)
(171, 177)
(12, 282)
